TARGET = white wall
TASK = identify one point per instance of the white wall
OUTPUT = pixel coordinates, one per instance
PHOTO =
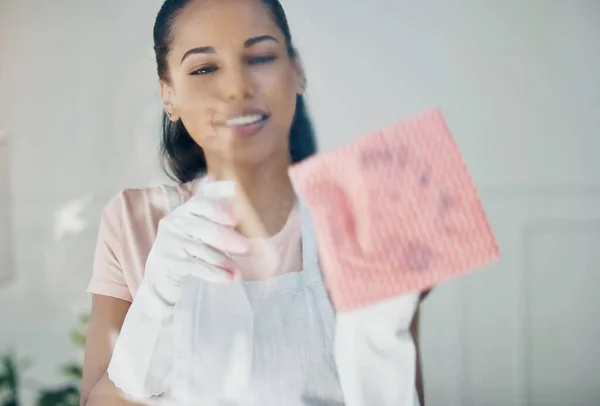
(517, 81)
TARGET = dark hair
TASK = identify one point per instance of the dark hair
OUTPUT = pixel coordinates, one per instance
(183, 159)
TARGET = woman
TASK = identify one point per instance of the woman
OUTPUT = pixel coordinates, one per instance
(232, 88)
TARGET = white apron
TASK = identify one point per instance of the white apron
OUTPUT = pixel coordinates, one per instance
(291, 323)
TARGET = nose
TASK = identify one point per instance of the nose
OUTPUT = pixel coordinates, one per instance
(238, 84)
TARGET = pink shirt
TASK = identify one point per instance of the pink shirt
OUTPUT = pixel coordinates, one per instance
(128, 228)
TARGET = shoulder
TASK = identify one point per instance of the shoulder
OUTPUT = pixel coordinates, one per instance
(129, 220)
(140, 205)
(128, 226)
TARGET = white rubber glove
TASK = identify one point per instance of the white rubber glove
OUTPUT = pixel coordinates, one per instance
(375, 353)
(195, 239)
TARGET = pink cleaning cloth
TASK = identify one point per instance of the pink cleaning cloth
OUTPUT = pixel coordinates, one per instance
(394, 212)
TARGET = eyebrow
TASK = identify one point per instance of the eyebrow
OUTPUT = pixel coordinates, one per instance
(211, 50)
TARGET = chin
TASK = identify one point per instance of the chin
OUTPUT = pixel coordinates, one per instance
(261, 155)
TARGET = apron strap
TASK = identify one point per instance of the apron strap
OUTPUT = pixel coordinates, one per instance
(310, 254)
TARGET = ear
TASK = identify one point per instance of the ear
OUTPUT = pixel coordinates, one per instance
(300, 77)
(168, 99)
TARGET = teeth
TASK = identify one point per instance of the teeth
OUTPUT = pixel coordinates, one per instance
(244, 120)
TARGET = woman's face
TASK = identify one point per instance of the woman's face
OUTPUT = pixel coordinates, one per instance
(232, 82)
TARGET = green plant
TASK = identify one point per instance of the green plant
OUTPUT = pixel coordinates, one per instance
(10, 378)
(68, 394)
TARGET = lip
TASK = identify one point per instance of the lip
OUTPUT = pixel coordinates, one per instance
(247, 112)
(250, 129)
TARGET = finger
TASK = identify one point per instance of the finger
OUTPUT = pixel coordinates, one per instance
(218, 212)
(212, 256)
(213, 234)
(203, 270)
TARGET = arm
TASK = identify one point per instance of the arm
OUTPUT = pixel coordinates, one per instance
(114, 316)
(130, 345)
(414, 329)
(106, 320)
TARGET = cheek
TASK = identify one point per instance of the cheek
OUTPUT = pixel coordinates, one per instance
(194, 98)
(278, 89)
(197, 110)
(276, 79)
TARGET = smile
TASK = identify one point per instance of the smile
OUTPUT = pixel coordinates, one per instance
(242, 121)
(247, 124)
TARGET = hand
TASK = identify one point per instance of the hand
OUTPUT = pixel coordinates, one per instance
(375, 353)
(195, 239)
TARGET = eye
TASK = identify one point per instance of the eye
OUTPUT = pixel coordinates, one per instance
(204, 70)
(258, 60)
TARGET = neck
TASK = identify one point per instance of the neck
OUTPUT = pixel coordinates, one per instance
(264, 197)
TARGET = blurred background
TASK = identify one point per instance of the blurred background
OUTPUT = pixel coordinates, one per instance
(518, 84)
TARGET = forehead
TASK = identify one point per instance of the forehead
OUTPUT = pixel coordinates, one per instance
(221, 24)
